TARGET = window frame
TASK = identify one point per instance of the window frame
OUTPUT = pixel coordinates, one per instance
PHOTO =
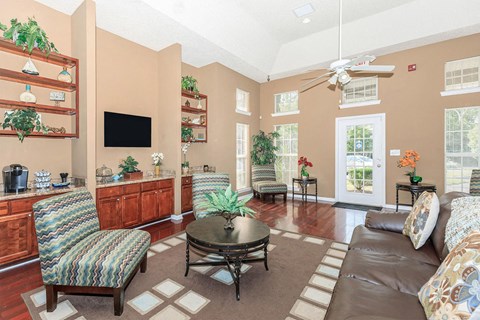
(245, 110)
(245, 157)
(345, 103)
(462, 87)
(294, 156)
(277, 113)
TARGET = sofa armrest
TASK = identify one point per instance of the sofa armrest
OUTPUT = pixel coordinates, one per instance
(389, 221)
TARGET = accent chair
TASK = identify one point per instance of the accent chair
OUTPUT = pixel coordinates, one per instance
(475, 182)
(76, 257)
(264, 182)
(205, 183)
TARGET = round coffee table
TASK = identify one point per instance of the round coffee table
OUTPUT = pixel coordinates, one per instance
(235, 246)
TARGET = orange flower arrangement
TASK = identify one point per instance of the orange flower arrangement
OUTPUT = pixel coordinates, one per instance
(410, 159)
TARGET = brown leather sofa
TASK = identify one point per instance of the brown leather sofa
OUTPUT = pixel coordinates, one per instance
(382, 272)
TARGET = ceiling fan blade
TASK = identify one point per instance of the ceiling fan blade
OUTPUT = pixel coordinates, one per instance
(311, 81)
(378, 68)
(333, 79)
(361, 59)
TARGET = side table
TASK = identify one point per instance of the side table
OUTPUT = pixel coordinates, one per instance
(414, 189)
(303, 187)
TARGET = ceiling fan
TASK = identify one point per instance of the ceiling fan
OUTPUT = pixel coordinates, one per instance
(339, 69)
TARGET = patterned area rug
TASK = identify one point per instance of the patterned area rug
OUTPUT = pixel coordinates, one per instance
(303, 272)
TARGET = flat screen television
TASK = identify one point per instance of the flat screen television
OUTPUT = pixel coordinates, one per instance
(125, 130)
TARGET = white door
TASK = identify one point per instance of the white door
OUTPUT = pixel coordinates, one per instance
(360, 159)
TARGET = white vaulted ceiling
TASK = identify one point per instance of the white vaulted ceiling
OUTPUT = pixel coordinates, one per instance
(264, 37)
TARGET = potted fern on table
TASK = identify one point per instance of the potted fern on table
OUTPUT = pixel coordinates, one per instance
(130, 170)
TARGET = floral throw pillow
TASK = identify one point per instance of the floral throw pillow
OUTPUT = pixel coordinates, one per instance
(422, 219)
(453, 292)
(464, 219)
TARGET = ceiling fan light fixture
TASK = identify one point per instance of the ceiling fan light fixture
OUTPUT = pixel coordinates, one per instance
(306, 20)
(303, 10)
(344, 77)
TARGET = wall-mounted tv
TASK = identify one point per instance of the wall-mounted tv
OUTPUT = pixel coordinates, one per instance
(125, 130)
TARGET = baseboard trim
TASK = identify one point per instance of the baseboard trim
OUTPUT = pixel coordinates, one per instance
(311, 198)
(178, 217)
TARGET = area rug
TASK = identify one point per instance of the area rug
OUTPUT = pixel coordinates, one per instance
(354, 206)
(303, 272)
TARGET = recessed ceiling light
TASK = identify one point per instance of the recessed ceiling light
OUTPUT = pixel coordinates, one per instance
(306, 20)
(303, 10)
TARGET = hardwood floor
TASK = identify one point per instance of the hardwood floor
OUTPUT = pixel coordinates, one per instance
(317, 219)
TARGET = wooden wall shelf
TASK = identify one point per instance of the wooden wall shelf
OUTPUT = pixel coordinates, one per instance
(20, 77)
(201, 131)
(197, 96)
(193, 110)
(193, 125)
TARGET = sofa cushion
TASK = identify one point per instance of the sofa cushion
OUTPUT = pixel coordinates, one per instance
(387, 242)
(103, 259)
(453, 292)
(438, 234)
(465, 218)
(354, 299)
(389, 221)
(270, 187)
(396, 272)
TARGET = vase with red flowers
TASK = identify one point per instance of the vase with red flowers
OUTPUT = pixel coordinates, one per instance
(303, 161)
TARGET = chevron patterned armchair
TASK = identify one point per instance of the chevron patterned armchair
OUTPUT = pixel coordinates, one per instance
(76, 257)
(205, 183)
(264, 182)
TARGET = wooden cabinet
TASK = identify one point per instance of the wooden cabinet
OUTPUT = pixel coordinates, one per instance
(18, 239)
(194, 114)
(39, 81)
(187, 204)
(134, 204)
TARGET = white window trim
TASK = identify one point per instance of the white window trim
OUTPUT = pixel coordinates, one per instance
(245, 113)
(289, 186)
(359, 104)
(288, 113)
(459, 91)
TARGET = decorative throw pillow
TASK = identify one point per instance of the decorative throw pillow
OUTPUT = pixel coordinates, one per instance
(464, 219)
(422, 219)
(453, 292)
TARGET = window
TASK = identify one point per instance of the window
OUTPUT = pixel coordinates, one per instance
(462, 74)
(287, 154)
(462, 152)
(360, 90)
(286, 103)
(242, 158)
(243, 102)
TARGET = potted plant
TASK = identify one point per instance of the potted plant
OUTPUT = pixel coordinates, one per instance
(24, 122)
(263, 148)
(226, 204)
(303, 161)
(28, 35)
(185, 163)
(410, 160)
(189, 83)
(157, 158)
(129, 169)
(187, 134)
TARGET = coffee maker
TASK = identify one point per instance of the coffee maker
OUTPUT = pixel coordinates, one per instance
(15, 177)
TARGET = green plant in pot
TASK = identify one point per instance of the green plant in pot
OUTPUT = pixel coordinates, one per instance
(129, 168)
(263, 148)
(225, 203)
(189, 83)
(24, 122)
(28, 35)
(187, 134)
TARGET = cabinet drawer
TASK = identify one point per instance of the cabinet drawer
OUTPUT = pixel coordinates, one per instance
(3, 208)
(109, 192)
(24, 205)
(131, 188)
(149, 186)
(186, 180)
(166, 183)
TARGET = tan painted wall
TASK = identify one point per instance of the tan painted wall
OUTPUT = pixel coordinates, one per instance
(220, 84)
(36, 153)
(411, 101)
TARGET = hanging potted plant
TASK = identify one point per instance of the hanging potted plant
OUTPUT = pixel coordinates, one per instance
(129, 169)
(24, 122)
(189, 83)
(28, 35)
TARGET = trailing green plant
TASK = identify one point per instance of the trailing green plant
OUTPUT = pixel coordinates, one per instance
(357, 176)
(24, 122)
(189, 83)
(187, 134)
(226, 201)
(129, 165)
(263, 148)
(28, 35)
(185, 164)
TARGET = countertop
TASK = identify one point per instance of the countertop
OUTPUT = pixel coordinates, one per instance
(144, 179)
(35, 192)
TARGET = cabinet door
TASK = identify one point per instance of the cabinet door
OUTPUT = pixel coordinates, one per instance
(109, 213)
(131, 209)
(150, 209)
(165, 199)
(187, 204)
(15, 236)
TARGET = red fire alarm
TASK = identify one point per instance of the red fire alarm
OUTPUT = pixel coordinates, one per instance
(412, 67)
